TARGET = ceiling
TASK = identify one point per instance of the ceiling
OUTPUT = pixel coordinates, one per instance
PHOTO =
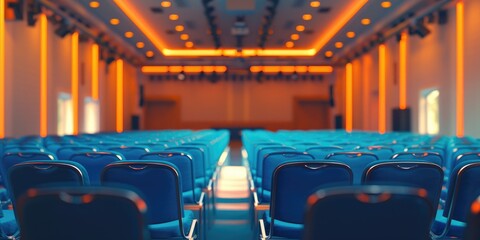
(239, 37)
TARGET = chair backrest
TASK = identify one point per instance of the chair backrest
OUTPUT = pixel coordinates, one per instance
(472, 232)
(95, 213)
(426, 175)
(94, 162)
(432, 157)
(12, 158)
(368, 212)
(357, 161)
(469, 156)
(321, 152)
(198, 156)
(36, 174)
(65, 153)
(382, 152)
(158, 183)
(263, 151)
(294, 182)
(131, 152)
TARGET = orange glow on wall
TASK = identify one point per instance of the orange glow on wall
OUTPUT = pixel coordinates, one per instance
(75, 81)
(2, 68)
(339, 23)
(185, 69)
(460, 70)
(43, 75)
(382, 121)
(349, 97)
(402, 47)
(291, 69)
(95, 71)
(119, 105)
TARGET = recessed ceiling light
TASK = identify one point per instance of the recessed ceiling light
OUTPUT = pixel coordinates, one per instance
(184, 36)
(328, 54)
(140, 45)
(129, 34)
(350, 34)
(307, 17)
(289, 44)
(166, 4)
(295, 36)
(94, 4)
(179, 28)
(149, 53)
(338, 44)
(189, 44)
(315, 4)
(386, 4)
(365, 21)
(173, 17)
(300, 28)
(114, 21)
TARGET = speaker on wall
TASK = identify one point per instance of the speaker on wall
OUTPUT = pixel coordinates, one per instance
(331, 99)
(401, 120)
(141, 101)
(135, 122)
(339, 122)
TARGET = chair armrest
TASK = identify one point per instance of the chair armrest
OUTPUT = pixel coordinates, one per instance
(263, 233)
(191, 232)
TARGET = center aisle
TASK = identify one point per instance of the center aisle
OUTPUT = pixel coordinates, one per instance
(231, 220)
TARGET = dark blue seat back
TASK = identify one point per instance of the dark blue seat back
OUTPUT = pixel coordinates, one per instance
(357, 161)
(65, 153)
(131, 152)
(432, 157)
(82, 213)
(12, 158)
(263, 151)
(381, 152)
(472, 231)
(321, 152)
(368, 212)
(158, 184)
(94, 162)
(197, 153)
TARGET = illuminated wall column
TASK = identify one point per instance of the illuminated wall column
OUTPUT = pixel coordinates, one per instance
(95, 62)
(382, 121)
(460, 70)
(348, 97)
(402, 48)
(2, 68)
(119, 96)
(75, 81)
(43, 76)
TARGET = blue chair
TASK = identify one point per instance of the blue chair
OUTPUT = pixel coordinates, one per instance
(65, 153)
(463, 189)
(261, 152)
(432, 157)
(293, 183)
(95, 213)
(200, 165)
(159, 184)
(381, 152)
(8, 225)
(94, 162)
(35, 174)
(321, 152)
(131, 152)
(472, 231)
(357, 161)
(368, 212)
(426, 175)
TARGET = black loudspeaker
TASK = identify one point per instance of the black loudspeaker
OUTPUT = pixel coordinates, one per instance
(135, 122)
(331, 99)
(141, 101)
(401, 120)
(442, 17)
(339, 122)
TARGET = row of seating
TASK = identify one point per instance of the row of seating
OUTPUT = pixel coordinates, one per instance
(287, 166)
(165, 178)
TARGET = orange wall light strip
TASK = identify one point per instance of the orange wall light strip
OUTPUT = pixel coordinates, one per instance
(119, 112)
(75, 81)
(291, 69)
(403, 70)
(460, 74)
(95, 72)
(349, 97)
(185, 69)
(354, 7)
(2, 69)
(43, 75)
(382, 122)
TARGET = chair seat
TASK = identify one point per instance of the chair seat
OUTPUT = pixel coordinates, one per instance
(283, 229)
(8, 224)
(171, 229)
(188, 197)
(456, 227)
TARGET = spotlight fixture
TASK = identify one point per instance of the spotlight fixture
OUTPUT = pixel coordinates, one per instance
(63, 30)
(421, 30)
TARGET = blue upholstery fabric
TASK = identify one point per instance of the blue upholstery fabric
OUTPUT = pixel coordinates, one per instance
(94, 162)
(8, 224)
(321, 152)
(171, 229)
(131, 152)
(283, 229)
(456, 229)
(432, 157)
(357, 161)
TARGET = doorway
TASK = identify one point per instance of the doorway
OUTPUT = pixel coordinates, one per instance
(311, 113)
(162, 113)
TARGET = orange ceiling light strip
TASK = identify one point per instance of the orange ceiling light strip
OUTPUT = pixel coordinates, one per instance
(119, 105)
(75, 81)
(382, 122)
(95, 71)
(291, 69)
(43, 76)
(2, 69)
(136, 18)
(403, 70)
(185, 69)
(460, 69)
(339, 23)
(349, 97)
